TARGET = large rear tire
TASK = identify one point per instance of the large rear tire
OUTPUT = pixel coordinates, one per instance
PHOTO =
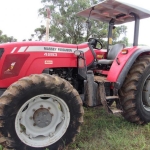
(135, 92)
(39, 112)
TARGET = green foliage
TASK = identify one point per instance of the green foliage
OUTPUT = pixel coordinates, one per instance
(39, 32)
(103, 131)
(67, 27)
(1, 148)
(120, 30)
(4, 38)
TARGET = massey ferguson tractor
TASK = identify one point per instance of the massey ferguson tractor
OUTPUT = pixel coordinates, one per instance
(44, 85)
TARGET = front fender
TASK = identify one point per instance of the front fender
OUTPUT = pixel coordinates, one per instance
(118, 72)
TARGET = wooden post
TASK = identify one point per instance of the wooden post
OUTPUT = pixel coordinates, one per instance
(47, 24)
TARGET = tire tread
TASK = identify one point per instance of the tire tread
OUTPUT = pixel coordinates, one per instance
(129, 90)
(26, 82)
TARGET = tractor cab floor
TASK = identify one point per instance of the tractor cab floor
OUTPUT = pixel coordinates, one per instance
(100, 79)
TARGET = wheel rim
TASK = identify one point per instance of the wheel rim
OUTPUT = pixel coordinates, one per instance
(146, 94)
(42, 120)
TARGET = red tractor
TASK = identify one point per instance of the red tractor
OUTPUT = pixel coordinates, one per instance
(44, 85)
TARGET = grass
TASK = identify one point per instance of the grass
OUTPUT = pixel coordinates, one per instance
(102, 131)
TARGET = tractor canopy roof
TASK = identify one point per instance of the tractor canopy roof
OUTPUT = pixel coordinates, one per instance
(114, 9)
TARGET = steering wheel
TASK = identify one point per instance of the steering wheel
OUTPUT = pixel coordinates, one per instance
(94, 42)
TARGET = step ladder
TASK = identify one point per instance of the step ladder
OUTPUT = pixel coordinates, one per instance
(102, 94)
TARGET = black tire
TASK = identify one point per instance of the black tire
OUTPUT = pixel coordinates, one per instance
(134, 104)
(26, 88)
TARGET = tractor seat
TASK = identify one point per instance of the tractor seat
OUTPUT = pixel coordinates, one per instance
(113, 52)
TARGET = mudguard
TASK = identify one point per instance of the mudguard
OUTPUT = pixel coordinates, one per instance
(119, 70)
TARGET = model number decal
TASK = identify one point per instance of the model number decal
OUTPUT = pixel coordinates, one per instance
(50, 54)
(48, 62)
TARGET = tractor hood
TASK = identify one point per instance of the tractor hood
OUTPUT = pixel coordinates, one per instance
(116, 9)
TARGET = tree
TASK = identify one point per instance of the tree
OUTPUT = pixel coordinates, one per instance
(39, 32)
(119, 35)
(4, 38)
(66, 27)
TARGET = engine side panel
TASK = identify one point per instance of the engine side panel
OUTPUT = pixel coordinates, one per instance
(40, 55)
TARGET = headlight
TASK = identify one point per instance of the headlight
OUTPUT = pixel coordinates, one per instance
(77, 53)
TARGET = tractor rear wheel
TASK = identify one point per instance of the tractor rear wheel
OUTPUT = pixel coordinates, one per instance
(135, 92)
(39, 112)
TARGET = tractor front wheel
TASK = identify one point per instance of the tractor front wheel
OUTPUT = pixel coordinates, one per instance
(135, 92)
(39, 112)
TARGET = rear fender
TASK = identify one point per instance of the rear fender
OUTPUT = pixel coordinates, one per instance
(119, 71)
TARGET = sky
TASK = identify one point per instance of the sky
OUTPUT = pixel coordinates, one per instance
(19, 18)
(144, 30)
